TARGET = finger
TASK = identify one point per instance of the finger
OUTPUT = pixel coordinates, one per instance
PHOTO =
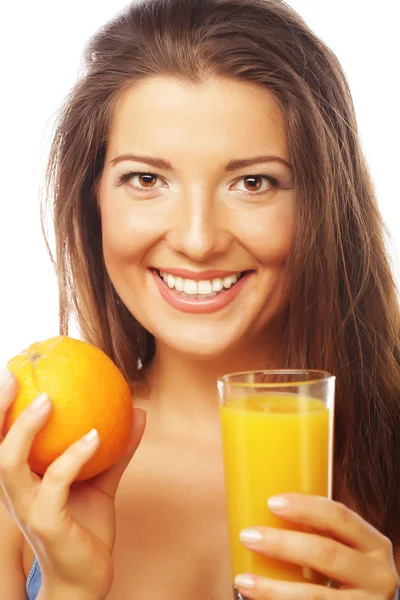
(315, 552)
(329, 517)
(8, 391)
(259, 588)
(51, 500)
(109, 480)
(15, 474)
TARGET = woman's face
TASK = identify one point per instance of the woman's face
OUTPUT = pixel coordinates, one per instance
(205, 197)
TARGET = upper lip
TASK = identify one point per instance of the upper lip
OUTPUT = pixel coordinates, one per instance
(198, 275)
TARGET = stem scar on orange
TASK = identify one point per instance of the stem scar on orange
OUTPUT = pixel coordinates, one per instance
(87, 391)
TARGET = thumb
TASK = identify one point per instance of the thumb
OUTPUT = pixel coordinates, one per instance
(108, 481)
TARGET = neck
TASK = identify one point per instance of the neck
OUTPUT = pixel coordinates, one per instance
(183, 387)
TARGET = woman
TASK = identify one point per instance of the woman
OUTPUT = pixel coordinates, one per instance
(211, 144)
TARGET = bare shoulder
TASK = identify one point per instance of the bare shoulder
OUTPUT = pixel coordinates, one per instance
(12, 575)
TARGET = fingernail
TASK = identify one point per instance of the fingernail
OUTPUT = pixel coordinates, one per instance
(250, 536)
(245, 582)
(6, 378)
(40, 403)
(278, 503)
(91, 437)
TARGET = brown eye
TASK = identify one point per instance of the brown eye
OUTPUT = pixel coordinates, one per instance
(254, 183)
(139, 180)
(146, 180)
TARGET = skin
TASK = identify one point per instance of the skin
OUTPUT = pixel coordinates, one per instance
(194, 216)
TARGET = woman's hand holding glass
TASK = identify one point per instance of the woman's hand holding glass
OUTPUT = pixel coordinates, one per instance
(338, 543)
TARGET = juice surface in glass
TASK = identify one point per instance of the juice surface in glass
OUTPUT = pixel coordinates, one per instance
(272, 443)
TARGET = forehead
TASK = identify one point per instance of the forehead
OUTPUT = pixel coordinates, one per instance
(217, 114)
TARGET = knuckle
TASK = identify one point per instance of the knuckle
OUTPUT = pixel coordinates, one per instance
(327, 552)
(389, 580)
(8, 464)
(387, 544)
(281, 546)
(55, 474)
(343, 514)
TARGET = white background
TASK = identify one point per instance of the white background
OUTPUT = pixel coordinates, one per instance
(40, 48)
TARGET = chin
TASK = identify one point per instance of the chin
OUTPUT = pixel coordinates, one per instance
(205, 352)
(202, 346)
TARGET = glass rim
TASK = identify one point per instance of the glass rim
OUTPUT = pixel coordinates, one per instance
(224, 379)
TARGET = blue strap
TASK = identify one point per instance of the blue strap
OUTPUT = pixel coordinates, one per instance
(34, 581)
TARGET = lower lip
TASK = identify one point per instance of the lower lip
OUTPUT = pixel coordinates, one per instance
(208, 305)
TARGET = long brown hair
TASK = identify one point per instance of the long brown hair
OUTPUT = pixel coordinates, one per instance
(343, 314)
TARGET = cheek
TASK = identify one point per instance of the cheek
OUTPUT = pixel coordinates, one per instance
(269, 236)
(127, 232)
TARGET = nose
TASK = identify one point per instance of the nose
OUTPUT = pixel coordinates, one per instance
(199, 227)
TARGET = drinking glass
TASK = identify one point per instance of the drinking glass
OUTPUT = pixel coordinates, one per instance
(277, 435)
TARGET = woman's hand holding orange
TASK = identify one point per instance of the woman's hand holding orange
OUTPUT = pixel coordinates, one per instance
(70, 525)
(357, 557)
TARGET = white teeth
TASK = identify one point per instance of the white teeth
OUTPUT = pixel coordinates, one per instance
(179, 284)
(227, 281)
(204, 287)
(190, 286)
(217, 285)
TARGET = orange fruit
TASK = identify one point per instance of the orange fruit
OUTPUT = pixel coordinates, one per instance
(87, 391)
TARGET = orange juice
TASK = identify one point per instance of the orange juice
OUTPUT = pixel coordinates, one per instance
(273, 443)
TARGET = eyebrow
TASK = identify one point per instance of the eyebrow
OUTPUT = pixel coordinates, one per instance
(232, 165)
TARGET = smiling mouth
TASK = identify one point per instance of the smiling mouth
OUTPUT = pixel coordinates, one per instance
(199, 290)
